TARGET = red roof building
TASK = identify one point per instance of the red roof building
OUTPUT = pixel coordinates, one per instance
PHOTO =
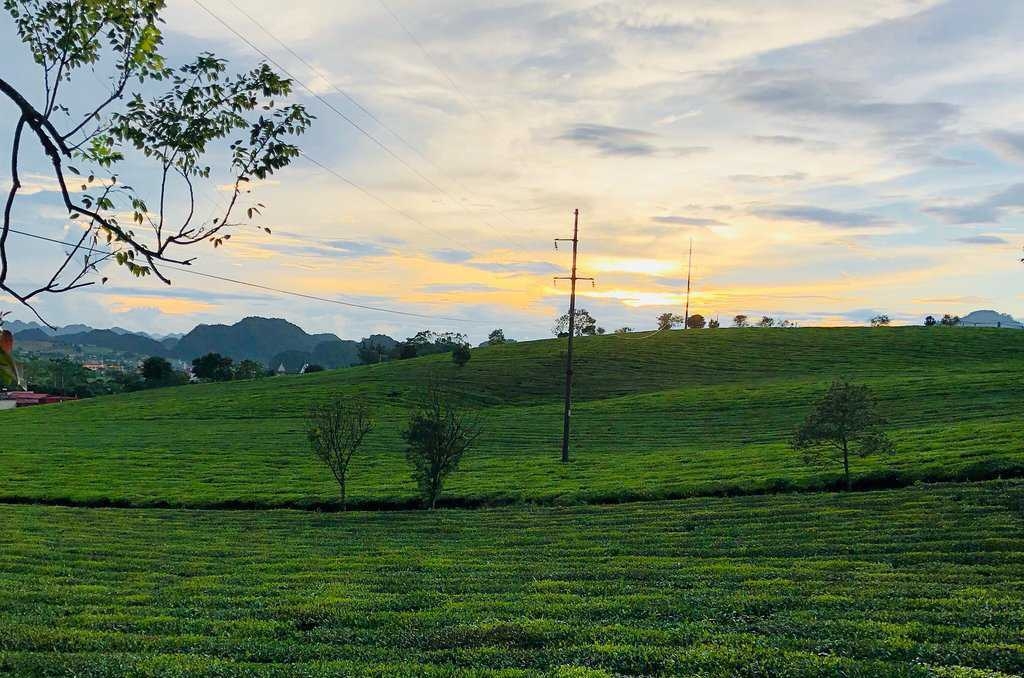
(29, 398)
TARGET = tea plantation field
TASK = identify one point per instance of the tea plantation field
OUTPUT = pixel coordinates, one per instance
(671, 415)
(925, 581)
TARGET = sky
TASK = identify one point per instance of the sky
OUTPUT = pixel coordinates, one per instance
(830, 161)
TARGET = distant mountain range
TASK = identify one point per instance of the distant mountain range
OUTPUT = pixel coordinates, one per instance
(271, 341)
(17, 326)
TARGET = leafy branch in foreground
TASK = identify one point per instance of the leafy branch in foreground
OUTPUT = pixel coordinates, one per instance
(201, 108)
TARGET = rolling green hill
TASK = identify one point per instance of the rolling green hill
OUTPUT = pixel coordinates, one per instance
(657, 416)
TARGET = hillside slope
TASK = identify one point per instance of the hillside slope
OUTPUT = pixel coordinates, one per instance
(664, 415)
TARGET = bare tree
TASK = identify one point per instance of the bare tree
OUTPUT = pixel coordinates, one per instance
(176, 130)
(336, 430)
(438, 435)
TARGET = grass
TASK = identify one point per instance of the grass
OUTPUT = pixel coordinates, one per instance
(671, 415)
(924, 581)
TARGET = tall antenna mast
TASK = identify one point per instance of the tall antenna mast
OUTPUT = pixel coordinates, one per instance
(689, 271)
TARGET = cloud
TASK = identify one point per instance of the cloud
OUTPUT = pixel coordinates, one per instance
(982, 240)
(611, 140)
(169, 305)
(985, 211)
(1008, 144)
(801, 92)
(686, 221)
(623, 142)
(781, 140)
(531, 267)
(819, 215)
(451, 256)
(457, 288)
(769, 179)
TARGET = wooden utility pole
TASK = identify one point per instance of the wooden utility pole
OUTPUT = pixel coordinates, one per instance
(572, 330)
(689, 271)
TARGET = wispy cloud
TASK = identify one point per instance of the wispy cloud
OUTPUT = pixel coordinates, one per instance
(982, 240)
(621, 141)
(819, 215)
(686, 221)
(985, 211)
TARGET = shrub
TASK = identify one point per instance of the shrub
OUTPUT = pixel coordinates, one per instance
(438, 435)
(461, 354)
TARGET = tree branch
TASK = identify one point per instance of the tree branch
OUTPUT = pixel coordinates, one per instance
(9, 206)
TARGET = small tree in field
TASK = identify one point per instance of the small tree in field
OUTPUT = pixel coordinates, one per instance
(880, 321)
(461, 354)
(844, 422)
(741, 320)
(336, 430)
(438, 435)
(667, 321)
(696, 322)
(497, 337)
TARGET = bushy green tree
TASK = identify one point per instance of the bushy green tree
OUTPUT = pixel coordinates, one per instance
(584, 325)
(213, 367)
(249, 369)
(696, 322)
(741, 320)
(496, 337)
(438, 435)
(156, 371)
(667, 321)
(371, 353)
(461, 354)
(843, 423)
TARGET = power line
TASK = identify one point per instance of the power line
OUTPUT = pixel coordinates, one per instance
(430, 58)
(367, 192)
(317, 96)
(278, 290)
(333, 108)
(337, 89)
